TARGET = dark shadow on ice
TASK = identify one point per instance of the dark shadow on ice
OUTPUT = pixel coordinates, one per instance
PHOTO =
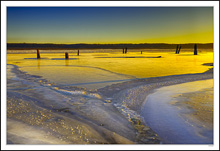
(63, 59)
(131, 57)
(52, 58)
(186, 55)
(36, 58)
(207, 64)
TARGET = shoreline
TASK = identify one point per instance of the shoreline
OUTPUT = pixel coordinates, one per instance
(200, 103)
(145, 86)
(116, 93)
(181, 117)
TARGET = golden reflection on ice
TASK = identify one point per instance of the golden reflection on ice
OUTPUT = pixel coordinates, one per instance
(96, 67)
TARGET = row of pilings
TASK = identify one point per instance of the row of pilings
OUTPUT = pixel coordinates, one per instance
(178, 47)
(125, 50)
(66, 54)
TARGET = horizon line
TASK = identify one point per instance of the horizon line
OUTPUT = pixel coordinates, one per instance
(106, 43)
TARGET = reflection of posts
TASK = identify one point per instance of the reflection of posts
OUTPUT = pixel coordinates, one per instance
(141, 52)
(177, 49)
(66, 55)
(195, 49)
(78, 53)
(38, 54)
(67, 62)
(38, 64)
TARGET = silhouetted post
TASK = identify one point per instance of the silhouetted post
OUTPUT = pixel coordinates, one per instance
(141, 52)
(123, 50)
(66, 55)
(177, 49)
(126, 50)
(78, 53)
(195, 49)
(38, 54)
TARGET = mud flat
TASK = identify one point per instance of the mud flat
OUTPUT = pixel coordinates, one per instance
(182, 113)
(73, 115)
(41, 113)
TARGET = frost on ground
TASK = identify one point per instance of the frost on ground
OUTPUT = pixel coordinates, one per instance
(65, 115)
(182, 113)
(72, 115)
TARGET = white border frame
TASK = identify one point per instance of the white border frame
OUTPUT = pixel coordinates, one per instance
(214, 4)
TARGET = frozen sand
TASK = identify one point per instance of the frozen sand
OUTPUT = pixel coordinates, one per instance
(79, 116)
(182, 113)
(27, 134)
(70, 115)
(201, 102)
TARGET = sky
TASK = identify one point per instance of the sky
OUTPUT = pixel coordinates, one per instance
(104, 25)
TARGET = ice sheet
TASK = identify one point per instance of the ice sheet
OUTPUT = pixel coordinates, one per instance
(90, 71)
(89, 99)
(169, 121)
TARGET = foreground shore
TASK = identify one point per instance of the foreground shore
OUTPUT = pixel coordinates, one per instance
(70, 115)
(182, 113)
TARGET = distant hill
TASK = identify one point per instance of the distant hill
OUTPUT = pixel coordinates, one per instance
(28, 46)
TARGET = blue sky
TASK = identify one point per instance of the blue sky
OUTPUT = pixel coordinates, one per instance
(109, 24)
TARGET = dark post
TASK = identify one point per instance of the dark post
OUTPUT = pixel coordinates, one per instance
(38, 54)
(195, 49)
(126, 50)
(66, 55)
(123, 50)
(177, 49)
(141, 52)
(78, 53)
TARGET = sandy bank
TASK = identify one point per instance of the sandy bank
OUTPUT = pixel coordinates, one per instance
(76, 116)
(72, 115)
(182, 113)
(133, 93)
(201, 104)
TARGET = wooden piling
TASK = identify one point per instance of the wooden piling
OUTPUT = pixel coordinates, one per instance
(78, 53)
(195, 49)
(177, 49)
(123, 51)
(66, 55)
(126, 50)
(38, 54)
(141, 52)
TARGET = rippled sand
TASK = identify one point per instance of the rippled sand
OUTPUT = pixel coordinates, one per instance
(182, 113)
(70, 115)
(201, 102)
(77, 116)
(94, 98)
